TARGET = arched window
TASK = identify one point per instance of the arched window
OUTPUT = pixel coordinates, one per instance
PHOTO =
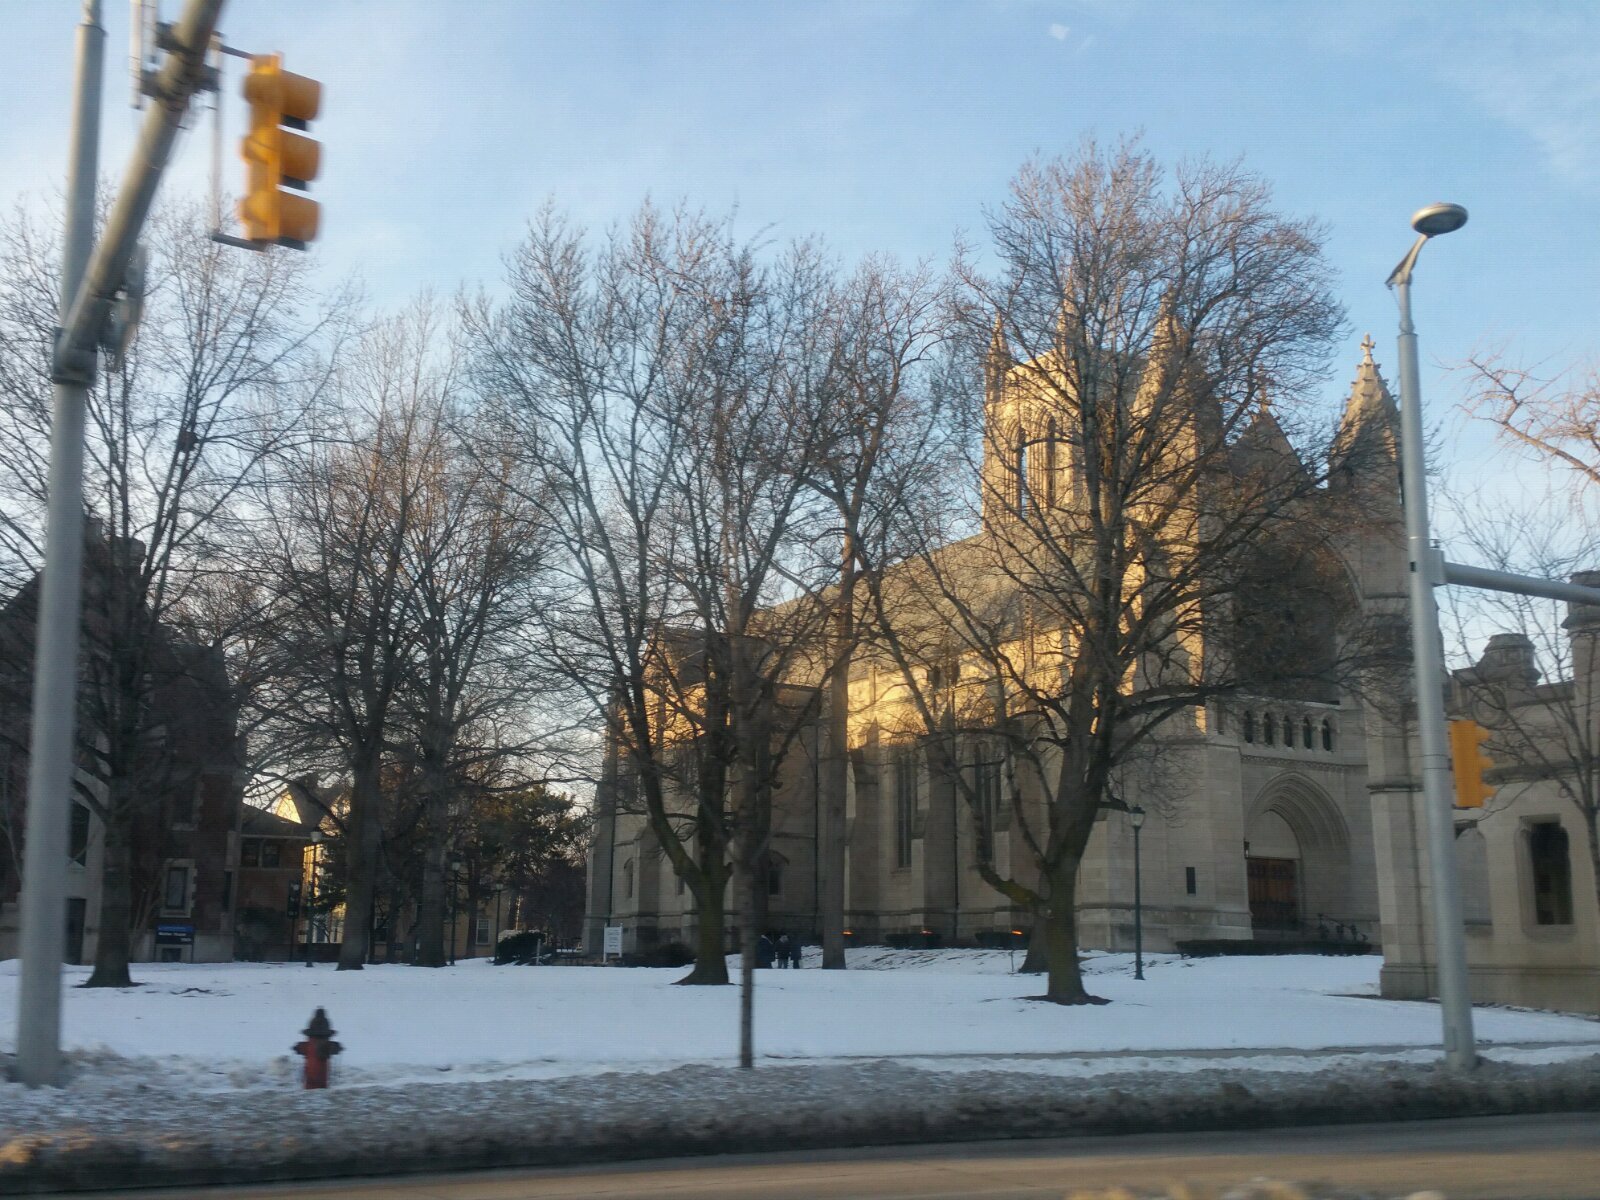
(1306, 734)
(1249, 726)
(627, 879)
(1269, 728)
(1327, 735)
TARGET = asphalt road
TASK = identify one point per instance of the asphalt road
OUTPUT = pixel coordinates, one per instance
(1548, 1157)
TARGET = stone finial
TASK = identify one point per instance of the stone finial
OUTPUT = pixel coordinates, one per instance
(1508, 660)
(1366, 351)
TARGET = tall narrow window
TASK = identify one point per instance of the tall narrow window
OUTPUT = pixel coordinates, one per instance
(78, 838)
(1051, 464)
(1269, 729)
(1249, 727)
(175, 895)
(1022, 474)
(1306, 734)
(1552, 874)
(1189, 883)
(986, 784)
(1327, 735)
(484, 930)
(627, 879)
(905, 806)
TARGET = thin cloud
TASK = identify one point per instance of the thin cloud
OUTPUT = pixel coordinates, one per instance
(1059, 32)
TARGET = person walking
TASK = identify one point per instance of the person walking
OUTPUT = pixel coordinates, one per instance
(764, 951)
(783, 950)
(795, 945)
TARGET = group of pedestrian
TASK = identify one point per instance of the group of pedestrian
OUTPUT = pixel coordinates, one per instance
(783, 951)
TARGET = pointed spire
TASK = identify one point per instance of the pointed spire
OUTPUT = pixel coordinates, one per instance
(1370, 410)
(997, 341)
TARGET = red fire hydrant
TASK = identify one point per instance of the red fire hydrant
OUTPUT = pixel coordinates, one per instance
(318, 1048)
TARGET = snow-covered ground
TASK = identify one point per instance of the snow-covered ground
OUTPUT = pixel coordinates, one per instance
(229, 1026)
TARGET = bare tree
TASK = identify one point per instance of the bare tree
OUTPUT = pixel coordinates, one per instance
(231, 352)
(885, 324)
(1136, 379)
(338, 550)
(672, 391)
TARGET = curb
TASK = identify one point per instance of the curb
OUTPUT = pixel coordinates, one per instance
(881, 1104)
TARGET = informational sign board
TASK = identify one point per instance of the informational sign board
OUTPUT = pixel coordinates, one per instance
(613, 942)
(174, 935)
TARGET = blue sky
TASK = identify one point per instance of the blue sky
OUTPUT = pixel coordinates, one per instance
(890, 124)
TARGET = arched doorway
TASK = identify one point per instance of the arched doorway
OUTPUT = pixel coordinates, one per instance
(1297, 854)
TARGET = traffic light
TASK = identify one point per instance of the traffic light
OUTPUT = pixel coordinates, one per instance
(276, 157)
(1469, 762)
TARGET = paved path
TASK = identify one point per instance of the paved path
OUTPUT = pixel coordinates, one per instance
(1485, 1047)
(1508, 1158)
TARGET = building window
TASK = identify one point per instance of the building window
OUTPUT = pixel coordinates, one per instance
(1189, 880)
(986, 785)
(175, 895)
(1022, 474)
(1249, 727)
(483, 931)
(1306, 734)
(1269, 729)
(905, 805)
(270, 854)
(627, 879)
(1472, 869)
(774, 877)
(1552, 874)
(186, 804)
(680, 885)
(250, 853)
(78, 838)
(1327, 735)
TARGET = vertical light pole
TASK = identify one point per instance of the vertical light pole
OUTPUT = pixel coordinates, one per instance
(1136, 819)
(1427, 655)
(311, 908)
(55, 678)
(455, 904)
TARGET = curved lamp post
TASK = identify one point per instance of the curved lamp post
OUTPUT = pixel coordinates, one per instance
(1427, 573)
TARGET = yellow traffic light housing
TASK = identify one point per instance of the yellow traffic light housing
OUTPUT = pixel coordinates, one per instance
(1469, 762)
(277, 158)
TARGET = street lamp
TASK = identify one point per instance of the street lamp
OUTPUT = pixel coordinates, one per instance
(455, 903)
(1427, 573)
(311, 907)
(1136, 819)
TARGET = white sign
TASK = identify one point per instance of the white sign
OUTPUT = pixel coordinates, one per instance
(613, 942)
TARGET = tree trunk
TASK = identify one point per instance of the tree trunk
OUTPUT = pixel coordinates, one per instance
(113, 945)
(366, 837)
(430, 908)
(711, 942)
(1035, 961)
(836, 776)
(1059, 921)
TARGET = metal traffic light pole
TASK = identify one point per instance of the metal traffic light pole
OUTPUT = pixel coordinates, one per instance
(92, 275)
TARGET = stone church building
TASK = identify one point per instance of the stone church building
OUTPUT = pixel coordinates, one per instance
(1271, 839)
(1296, 816)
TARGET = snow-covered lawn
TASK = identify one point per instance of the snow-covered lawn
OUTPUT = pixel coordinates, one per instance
(230, 1026)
